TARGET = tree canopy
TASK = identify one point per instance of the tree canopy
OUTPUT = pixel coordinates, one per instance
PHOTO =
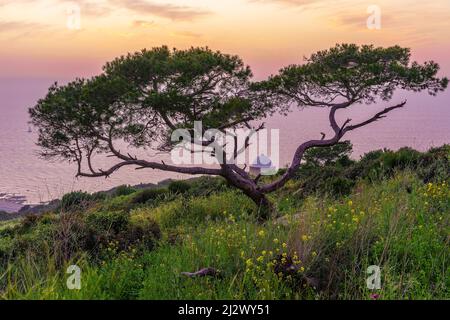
(350, 74)
(141, 98)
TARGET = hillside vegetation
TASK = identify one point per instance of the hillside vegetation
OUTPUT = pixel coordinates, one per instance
(336, 218)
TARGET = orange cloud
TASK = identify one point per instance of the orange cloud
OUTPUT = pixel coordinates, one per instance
(169, 11)
(143, 23)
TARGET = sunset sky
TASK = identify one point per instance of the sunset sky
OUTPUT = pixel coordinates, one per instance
(35, 41)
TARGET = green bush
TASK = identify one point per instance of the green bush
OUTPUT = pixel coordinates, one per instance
(123, 190)
(204, 186)
(430, 166)
(147, 195)
(35, 240)
(29, 221)
(330, 180)
(320, 175)
(75, 201)
(108, 222)
(435, 164)
(329, 155)
(341, 186)
(6, 248)
(402, 159)
(122, 229)
(142, 230)
(117, 203)
(179, 186)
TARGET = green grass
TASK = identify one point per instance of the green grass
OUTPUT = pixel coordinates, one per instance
(8, 224)
(400, 224)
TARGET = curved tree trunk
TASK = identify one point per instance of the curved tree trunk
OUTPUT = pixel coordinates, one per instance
(264, 206)
(249, 188)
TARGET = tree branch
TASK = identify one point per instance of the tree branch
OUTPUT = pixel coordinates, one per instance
(152, 165)
(376, 117)
(339, 133)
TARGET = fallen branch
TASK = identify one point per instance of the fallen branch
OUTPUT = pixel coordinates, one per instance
(202, 273)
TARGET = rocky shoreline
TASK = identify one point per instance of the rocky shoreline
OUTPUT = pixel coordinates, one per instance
(12, 207)
(9, 206)
(15, 207)
(11, 203)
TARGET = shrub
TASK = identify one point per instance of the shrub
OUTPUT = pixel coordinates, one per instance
(204, 186)
(6, 248)
(435, 164)
(341, 186)
(147, 195)
(34, 240)
(29, 221)
(75, 201)
(70, 237)
(329, 155)
(122, 229)
(123, 190)
(320, 175)
(142, 230)
(108, 222)
(120, 203)
(330, 180)
(179, 186)
(402, 159)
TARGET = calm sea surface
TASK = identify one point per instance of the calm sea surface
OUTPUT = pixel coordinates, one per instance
(425, 122)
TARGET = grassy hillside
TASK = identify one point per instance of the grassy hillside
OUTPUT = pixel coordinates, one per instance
(335, 219)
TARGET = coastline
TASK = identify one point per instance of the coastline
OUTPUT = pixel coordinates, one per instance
(11, 203)
(14, 206)
(9, 206)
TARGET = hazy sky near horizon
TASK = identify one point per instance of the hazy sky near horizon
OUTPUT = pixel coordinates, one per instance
(36, 42)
